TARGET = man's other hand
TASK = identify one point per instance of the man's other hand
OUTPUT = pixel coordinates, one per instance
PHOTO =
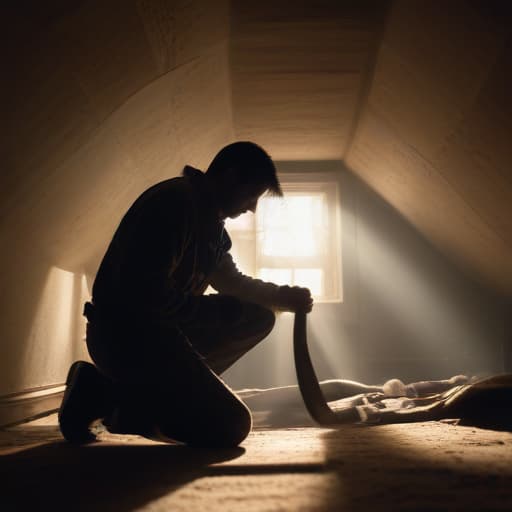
(294, 298)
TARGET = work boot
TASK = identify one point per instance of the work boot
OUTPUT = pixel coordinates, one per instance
(126, 418)
(88, 397)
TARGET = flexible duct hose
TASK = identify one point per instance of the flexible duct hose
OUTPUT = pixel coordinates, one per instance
(308, 383)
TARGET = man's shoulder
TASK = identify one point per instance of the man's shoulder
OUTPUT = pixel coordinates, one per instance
(177, 187)
(170, 196)
(186, 183)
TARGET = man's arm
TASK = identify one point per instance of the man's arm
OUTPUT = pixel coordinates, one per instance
(227, 279)
(153, 263)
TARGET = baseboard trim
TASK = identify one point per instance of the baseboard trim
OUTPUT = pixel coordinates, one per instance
(30, 404)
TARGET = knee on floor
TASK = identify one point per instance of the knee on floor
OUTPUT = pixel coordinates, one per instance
(224, 426)
(229, 428)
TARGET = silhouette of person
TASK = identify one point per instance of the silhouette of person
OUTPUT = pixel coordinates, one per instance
(159, 345)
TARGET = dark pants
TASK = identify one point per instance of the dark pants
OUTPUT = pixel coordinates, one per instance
(166, 380)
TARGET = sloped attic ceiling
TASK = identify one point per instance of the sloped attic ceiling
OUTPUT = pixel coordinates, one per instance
(412, 95)
(108, 97)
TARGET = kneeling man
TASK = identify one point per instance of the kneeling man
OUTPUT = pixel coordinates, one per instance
(159, 345)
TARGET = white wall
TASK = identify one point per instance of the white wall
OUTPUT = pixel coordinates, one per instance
(407, 311)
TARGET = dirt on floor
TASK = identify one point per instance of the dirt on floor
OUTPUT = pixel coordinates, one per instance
(416, 467)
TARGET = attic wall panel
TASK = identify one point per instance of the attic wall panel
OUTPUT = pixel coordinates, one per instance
(110, 65)
(183, 117)
(182, 30)
(202, 106)
(71, 71)
(89, 131)
(200, 25)
(477, 156)
(404, 178)
(48, 117)
(432, 62)
(440, 70)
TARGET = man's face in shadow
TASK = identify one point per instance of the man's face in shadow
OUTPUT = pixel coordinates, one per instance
(240, 198)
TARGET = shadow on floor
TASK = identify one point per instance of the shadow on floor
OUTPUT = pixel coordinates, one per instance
(427, 467)
(380, 468)
(120, 476)
(100, 476)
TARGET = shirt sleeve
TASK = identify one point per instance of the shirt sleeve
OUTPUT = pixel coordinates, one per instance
(227, 279)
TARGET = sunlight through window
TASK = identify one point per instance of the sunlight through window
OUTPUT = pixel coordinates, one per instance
(293, 240)
(288, 226)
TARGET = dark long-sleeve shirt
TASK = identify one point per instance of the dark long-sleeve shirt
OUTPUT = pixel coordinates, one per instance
(168, 247)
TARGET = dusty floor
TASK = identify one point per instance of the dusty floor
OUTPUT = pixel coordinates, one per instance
(415, 467)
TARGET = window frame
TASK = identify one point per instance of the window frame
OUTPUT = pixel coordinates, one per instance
(325, 183)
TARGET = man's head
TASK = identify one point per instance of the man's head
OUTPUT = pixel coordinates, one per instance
(240, 173)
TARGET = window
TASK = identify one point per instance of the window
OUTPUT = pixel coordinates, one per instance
(294, 240)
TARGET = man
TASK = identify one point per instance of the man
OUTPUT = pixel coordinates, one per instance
(158, 343)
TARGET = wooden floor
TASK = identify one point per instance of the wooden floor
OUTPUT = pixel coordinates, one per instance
(416, 467)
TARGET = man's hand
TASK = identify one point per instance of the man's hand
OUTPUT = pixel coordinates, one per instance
(294, 298)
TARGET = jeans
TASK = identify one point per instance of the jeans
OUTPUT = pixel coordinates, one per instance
(166, 378)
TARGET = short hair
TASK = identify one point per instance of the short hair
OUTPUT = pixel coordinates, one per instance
(252, 162)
